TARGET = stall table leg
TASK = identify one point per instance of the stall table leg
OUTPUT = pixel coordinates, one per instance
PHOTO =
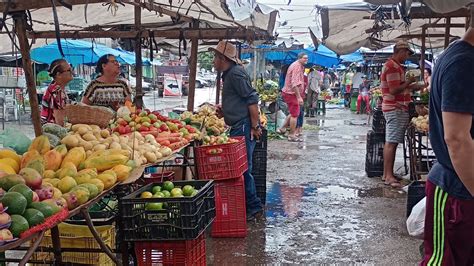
(32, 249)
(99, 240)
(58, 260)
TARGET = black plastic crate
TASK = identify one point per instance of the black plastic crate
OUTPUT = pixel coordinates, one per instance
(374, 155)
(261, 186)
(183, 218)
(416, 192)
(262, 143)
(378, 121)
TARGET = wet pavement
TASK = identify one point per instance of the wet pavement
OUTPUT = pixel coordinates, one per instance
(321, 207)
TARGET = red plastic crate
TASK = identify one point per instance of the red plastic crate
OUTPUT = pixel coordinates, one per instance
(230, 163)
(231, 219)
(184, 252)
(159, 177)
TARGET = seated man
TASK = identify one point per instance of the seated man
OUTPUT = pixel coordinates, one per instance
(364, 95)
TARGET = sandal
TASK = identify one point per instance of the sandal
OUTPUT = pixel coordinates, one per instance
(394, 184)
(294, 139)
(281, 131)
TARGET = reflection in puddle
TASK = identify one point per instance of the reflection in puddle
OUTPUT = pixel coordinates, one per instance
(325, 123)
(344, 193)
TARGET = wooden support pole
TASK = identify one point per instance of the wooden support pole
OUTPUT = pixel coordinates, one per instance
(20, 28)
(447, 32)
(138, 59)
(193, 70)
(218, 87)
(202, 34)
(423, 49)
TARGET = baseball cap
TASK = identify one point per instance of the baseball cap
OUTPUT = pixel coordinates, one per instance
(404, 45)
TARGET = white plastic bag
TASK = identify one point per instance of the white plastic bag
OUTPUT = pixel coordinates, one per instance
(416, 220)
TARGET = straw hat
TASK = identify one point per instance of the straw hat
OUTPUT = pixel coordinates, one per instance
(226, 49)
(404, 45)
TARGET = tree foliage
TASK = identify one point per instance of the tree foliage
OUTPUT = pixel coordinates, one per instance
(205, 60)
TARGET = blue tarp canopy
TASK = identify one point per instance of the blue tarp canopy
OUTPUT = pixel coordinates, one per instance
(323, 56)
(78, 52)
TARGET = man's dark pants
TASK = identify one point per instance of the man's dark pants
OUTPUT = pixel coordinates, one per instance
(243, 128)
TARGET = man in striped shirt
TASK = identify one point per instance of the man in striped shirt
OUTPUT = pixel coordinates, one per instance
(396, 97)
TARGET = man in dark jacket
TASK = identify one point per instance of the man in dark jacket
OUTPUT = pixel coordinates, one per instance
(240, 111)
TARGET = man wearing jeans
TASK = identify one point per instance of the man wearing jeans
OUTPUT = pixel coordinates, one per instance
(396, 97)
(240, 110)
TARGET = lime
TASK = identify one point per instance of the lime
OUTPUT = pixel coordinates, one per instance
(168, 185)
(195, 192)
(166, 193)
(146, 195)
(158, 195)
(188, 190)
(176, 193)
(154, 206)
(156, 189)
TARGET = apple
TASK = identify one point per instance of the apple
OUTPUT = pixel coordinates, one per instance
(128, 129)
(127, 118)
(145, 119)
(5, 234)
(146, 124)
(152, 117)
(143, 114)
(164, 127)
(132, 124)
(143, 128)
(157, 124)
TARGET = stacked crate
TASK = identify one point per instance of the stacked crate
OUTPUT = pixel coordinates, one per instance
(226, 164)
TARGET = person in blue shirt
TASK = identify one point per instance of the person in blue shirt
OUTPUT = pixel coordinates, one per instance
(449, 220)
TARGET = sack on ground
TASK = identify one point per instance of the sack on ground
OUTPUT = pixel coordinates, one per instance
(15, 139)
(416, 220)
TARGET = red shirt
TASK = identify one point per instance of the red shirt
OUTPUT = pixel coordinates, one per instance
(294, 77)
(54, 98)
(393, 75)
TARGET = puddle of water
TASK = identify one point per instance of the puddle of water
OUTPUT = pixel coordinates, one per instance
(283, 156)
(325, 123)
(345, 193)
(317, 147)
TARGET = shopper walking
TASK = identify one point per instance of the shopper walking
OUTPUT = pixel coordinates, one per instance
(364, 89)
(240, 111)
(396, 97)
(314, 88)
(292, 94)
(449, 221)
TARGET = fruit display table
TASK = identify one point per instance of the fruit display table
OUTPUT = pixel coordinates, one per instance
(38, 237)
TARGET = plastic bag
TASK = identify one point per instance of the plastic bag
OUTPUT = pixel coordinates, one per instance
(416, 220)
(15, 139)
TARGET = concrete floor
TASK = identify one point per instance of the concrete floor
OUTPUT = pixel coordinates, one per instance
(321, 207)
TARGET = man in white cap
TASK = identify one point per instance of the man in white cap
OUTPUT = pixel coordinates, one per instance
(396, 98)
(240, 110)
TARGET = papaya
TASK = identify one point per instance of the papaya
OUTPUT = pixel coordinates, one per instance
(40, 144)
(76, 156)
(28, 156)
(7, 169)
(62, 149)
(103, 163)
(69, 169)
(82, 178)
(92, 172)
(49, 174)
(52, 160)
(109, 152)
(108, 180)
(122, 172)
(12, 163)
(76, 127)
(6, 153)
(37, 164)
(98, 183)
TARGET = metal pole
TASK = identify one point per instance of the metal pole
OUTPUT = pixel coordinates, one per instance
(447, 32)
(423, 48)
(193, 70)
(218, 87)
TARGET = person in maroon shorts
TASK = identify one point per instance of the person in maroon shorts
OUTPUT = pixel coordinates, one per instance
(292, 94)
(449, 220)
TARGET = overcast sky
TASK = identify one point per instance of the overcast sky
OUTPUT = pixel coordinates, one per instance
(299, 15)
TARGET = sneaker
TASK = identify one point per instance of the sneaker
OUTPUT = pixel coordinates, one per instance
(258, 216)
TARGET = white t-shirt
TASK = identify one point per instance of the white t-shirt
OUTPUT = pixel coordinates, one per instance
(357, 80)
